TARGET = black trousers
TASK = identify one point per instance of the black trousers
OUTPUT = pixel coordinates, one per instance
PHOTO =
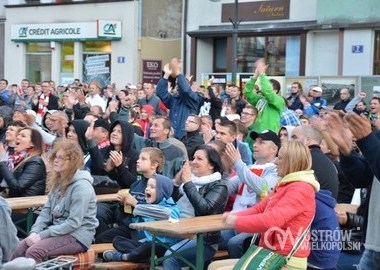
(137, 251)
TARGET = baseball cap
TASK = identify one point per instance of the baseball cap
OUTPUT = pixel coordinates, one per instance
(102, 123)
(267, 135)
(317, 89)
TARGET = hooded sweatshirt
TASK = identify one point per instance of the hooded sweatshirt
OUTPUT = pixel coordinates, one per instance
(288, 210)
(80, 127)
(72, 212)
(324, 246)
(162, 209)
(126, 173)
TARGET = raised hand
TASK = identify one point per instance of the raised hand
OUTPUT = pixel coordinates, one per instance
(116, 158)
(359, 125)
(167, 70)
(339, 133)
(232, 153)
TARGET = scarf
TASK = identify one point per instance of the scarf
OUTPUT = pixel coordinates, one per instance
(103, 144)
(12, 162)
(15, 159)
(185, 206)
(41, 108)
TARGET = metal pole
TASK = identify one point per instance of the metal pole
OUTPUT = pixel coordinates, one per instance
(235, 26)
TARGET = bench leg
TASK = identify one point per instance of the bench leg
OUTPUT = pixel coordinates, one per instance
(153, 252)
(200, 251)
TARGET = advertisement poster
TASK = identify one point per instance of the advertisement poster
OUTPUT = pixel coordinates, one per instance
(220, 78)
(331, 87)
(371, 86)
(151, 71)
(97, 67)
(306, 82)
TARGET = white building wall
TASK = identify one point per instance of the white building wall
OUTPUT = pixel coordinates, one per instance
(322, 53)
(126, 12)
(208, 12)
(358, 63)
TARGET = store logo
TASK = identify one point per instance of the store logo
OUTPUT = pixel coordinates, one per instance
(23, 32)
(109, 29)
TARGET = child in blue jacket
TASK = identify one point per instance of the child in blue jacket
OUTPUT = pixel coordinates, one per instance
(159, 206)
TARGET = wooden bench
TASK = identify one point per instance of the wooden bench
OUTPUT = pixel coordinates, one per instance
(100, 248)
(221, 255)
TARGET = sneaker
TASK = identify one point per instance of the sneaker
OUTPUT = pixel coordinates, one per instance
(112, 256)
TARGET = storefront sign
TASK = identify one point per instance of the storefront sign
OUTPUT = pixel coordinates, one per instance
(151, 71)
(258, 11)
(98, 30)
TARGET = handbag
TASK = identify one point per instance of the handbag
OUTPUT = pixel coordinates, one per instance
(261, 258)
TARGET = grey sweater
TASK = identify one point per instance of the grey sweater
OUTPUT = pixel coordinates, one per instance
(8, 233)
(73, 212)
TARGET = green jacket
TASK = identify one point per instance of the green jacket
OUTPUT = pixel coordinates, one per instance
(268, 104)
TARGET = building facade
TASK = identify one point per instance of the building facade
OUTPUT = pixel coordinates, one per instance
(297, 38)
(107, 41)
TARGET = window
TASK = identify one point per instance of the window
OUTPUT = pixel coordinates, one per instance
(38, 62)
(97, 62)
(67, 62)
(376, 64)
(220, 55)
(282, 54)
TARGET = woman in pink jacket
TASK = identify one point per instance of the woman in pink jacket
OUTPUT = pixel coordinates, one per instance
(285, 214)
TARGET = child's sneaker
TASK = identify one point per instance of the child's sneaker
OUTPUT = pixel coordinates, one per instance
(112, 256)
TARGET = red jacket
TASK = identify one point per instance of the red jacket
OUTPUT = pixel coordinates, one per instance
(289, 209)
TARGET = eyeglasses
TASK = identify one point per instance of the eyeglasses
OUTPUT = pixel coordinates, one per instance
(245, 113)
(60, 158)
(191, 121)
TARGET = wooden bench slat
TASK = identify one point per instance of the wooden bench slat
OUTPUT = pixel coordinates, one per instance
(119, 265)
(100, 248)
(221, 255)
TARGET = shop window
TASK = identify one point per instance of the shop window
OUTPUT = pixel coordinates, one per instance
(220, 54)
(67, 62)
(38, 62)
(97, 62)
(376, 64)
(282, 54)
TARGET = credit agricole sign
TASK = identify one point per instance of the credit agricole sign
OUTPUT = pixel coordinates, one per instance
(258, 11)
(97, 30)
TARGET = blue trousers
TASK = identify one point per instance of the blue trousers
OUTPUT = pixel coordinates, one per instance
(370, 260)
(188, 251)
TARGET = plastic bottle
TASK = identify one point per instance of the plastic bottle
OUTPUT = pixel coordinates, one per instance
(264, 191)
(127, 207)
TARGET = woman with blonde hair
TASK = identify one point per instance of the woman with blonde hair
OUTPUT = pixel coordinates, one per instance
(290, 209)
(67, 222)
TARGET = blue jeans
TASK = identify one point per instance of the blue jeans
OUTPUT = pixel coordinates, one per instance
(235, 243)
(370, 260)
(188, 251)
(348, 261)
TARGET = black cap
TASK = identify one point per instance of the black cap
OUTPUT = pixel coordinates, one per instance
(102, 123)
(267, 135)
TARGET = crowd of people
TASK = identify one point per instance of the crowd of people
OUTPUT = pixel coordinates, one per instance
(271, 164)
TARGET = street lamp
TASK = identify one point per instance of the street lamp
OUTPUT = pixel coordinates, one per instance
(235, 27)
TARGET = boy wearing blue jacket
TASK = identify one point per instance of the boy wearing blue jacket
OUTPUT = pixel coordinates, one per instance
(159, 206)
